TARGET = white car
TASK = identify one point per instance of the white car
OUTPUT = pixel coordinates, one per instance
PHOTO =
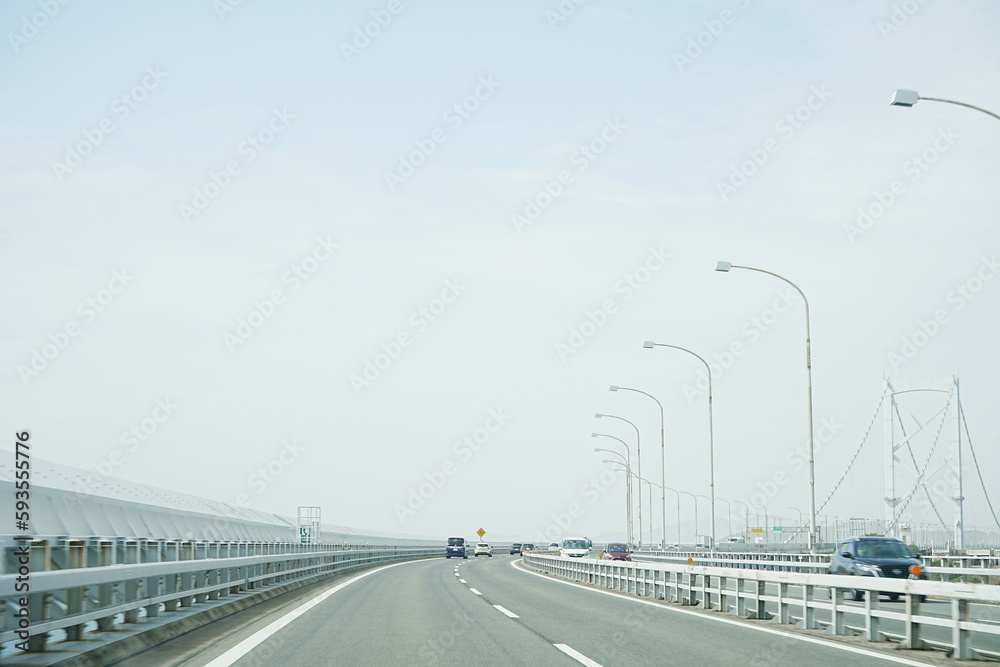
(575, 547)
(553, 547)
(483, 549)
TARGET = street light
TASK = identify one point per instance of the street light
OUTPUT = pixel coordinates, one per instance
(798, 531)
(627, 481)
(638, 455)
(725, 267)
(729, 517)
(711, 438)
(663, 458)
(694, 542)
(907, 98)
(766, 538)
(628, 491)
(650, 485)
(746, 519)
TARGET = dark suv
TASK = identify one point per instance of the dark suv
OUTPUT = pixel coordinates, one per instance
(874, 557)
(515, 548)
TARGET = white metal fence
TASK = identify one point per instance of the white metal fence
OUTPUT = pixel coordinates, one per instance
(77, 586)
(810, 600)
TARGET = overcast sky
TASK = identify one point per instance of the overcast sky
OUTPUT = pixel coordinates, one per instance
(397, 251)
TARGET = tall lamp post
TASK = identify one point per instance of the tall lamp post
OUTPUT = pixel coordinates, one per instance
(907, 98)
(638, 455)
(676, 493)
(746, 518)
(711, 438)
(729, 517)
(650, 485)
(766, 536)
(726, 267)
(695, 499)
(628, 489)
(605, 435)
(663, 457)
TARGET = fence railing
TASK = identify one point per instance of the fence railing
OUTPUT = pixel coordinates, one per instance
(803, 598)
(66, 587)
(965, 569)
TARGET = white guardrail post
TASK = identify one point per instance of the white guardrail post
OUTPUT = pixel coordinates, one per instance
(111, 584)
(796, 594)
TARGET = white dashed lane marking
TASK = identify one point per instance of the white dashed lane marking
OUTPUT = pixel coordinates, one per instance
(506, 612)
(576, 655)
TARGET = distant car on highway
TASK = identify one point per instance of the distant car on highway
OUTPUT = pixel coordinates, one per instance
(617, 551)
(457, 547)
(483, 549)
(875, 557)
(515, 548)
(575, 547)
(527, 547)
(553, 547)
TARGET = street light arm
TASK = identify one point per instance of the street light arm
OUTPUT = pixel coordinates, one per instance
(611, 451)
(962, 104)
(725, 267)
(780, 277)
(711, 429)
(638, 455)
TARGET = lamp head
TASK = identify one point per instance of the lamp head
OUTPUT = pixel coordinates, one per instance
(593, 435)
(723, 266)
(648, 344)
(598, 415)
(904, 98)
(613, 387)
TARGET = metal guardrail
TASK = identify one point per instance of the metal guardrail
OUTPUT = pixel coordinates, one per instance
(819, 563)
(743, 592)
(79, 585)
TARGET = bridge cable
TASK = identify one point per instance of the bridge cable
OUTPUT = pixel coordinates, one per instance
(913, 459)
(979, 472)
(920, 475)
(856, 452)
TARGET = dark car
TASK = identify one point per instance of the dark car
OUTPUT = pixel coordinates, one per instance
(457, 547)
(874, 557)
(527, 547)
(617, 551)
(515, 548)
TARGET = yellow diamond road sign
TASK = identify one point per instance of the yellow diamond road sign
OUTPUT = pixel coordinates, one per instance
(480, 533)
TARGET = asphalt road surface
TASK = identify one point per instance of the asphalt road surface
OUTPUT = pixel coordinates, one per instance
(493, 611)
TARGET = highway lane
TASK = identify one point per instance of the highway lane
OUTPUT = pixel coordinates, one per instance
(414, 614)
(615, 629)
(423, 614)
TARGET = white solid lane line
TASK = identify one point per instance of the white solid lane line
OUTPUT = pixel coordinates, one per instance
(251, 642)
(576, 655)
(475, 591)
(507, 612)
(790, 635)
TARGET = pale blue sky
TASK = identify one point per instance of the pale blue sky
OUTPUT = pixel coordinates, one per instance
(323, 175)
